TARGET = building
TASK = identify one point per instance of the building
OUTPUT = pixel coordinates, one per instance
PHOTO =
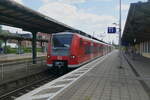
(28, 44)
(136, 35)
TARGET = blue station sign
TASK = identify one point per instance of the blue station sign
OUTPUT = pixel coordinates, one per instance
(111, 30)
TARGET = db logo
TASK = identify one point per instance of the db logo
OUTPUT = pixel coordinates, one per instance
(59, 57)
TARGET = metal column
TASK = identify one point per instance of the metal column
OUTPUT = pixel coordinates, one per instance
(19, 47)
(42, 48)
(5, 46)
(120, 29)
(34, 51)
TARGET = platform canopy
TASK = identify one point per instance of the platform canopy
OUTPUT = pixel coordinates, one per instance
(17, 15)
(137, 27)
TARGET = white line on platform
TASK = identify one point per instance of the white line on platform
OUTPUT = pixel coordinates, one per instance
(66, 81)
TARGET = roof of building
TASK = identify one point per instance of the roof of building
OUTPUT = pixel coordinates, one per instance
(17, 15)
(20, 37)
(137, 24)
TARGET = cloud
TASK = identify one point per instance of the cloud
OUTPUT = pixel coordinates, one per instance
(125, 7)
(69, 14)
(45, 1)
(73, 1)
(18, 1)
(70, 1)
(77, 18)
(103, 0)
(64, 1)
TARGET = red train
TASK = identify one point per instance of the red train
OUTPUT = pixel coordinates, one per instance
(71, 50)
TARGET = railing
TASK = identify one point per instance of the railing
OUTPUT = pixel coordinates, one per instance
(20, 69)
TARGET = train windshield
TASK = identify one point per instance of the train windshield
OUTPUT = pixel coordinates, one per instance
(63, 40)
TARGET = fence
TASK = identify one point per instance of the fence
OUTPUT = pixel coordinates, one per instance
(19, 69)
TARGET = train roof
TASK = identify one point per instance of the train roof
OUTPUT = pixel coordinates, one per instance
(86, 35)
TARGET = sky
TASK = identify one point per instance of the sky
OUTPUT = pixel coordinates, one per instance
(90, 16)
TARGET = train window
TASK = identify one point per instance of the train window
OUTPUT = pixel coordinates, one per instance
(100, 49)
(63, 40)
(81, 42)
(95, 49)
(91, 49)
(87, 49)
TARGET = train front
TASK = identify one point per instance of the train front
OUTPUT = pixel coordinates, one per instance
(59, 51)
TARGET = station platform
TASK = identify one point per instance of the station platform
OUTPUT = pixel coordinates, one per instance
(100, 79)
(13, 57)
(142, 66)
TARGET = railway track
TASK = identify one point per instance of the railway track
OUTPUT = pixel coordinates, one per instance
(41, 79)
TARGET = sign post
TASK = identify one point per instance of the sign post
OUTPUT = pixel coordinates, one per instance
(120, 34)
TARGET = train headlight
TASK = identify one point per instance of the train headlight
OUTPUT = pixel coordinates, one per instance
(73, 57)
(48, 56)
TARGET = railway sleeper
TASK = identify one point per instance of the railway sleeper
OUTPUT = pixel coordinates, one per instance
(8, 87)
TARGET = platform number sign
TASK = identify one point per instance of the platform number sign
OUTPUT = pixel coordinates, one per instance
(111, 30)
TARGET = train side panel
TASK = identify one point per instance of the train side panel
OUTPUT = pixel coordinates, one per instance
(74, 51)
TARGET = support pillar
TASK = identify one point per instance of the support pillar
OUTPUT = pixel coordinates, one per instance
(19, 47)
(140, 48)
(147, 46)
(41, 43)
(144, 46)
(34, 51)
(5, 46)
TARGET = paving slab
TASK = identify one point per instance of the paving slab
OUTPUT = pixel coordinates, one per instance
(106, 81)
(142, 66)
(103, 79)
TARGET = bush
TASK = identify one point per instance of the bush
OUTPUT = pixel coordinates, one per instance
(10, 50)
(27, 50)
(39, 50)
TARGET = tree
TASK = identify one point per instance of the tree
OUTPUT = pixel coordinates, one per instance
(0, 29)
(3, 32)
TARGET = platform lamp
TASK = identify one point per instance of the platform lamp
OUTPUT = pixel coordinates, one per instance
(120, 29)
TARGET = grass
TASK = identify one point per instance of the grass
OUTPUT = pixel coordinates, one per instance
(24, 59)
(87, 98)
(24, 50)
